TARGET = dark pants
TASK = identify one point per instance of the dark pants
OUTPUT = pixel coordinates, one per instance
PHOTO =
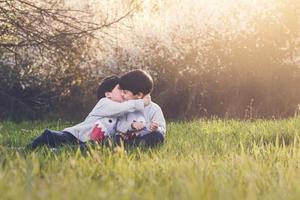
(152, 139)
(54, 139)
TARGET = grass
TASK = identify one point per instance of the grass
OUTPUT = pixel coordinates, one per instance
(201, 159)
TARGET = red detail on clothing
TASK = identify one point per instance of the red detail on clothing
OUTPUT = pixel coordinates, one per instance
(97, 134)
(128, 136)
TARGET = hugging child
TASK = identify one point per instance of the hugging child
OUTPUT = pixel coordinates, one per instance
(144, 126)
(101, 121)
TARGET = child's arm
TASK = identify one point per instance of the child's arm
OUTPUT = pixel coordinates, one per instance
(157, 122)
(108, 108)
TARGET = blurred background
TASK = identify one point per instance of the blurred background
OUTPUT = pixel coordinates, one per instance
(218, 58)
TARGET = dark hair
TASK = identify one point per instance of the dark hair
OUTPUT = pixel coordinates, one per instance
(107, 85)
(136, 81)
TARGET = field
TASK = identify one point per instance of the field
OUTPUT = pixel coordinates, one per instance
(201, 159)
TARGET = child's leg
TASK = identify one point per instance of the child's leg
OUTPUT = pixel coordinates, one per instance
(123, 139)
(150, 140)
(118, 140)
(53, 139)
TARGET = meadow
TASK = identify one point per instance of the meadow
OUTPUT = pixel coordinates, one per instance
(201, 159)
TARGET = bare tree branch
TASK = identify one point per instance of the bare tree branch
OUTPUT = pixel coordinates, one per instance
(32, 25)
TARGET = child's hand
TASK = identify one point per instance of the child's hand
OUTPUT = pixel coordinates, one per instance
(138, 125)
(154, 126)
(147, 99)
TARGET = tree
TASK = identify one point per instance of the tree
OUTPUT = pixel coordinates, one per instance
(43, 45)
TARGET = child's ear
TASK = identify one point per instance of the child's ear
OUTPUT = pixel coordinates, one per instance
(140, 95)
(107, 94)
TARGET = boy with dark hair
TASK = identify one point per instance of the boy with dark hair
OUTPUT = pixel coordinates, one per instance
(101, 121)
(107, 85)
(137, 81)
(146, 127)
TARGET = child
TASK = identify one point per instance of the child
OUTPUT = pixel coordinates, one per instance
(146, 126)
(99, 123)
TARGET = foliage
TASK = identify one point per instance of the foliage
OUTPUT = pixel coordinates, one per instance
(232, 59)
(206, 159)
(44, 48)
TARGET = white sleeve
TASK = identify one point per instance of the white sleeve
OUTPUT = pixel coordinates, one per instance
(108, 108)
(158, 117)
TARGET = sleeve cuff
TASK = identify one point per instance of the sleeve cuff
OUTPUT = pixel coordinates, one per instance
(139, 104)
